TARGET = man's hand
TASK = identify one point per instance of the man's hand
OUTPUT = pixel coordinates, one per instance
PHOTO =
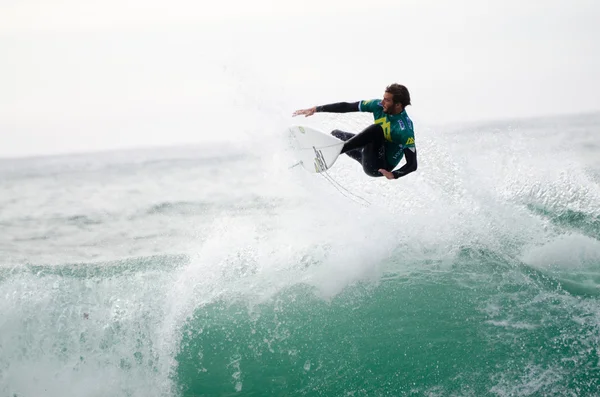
(386, 173)
(305, 112)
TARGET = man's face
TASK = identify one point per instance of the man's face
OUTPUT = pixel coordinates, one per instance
(388, 104)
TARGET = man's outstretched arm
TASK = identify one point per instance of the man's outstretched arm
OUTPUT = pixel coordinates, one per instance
(339, 107)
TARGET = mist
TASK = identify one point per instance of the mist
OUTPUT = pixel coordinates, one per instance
(79, 77)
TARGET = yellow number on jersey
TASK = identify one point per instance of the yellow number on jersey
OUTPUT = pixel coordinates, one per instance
(386, 127)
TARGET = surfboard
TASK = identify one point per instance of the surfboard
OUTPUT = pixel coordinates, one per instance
(313, 149)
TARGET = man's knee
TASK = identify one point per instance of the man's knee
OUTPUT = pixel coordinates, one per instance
(375, 130)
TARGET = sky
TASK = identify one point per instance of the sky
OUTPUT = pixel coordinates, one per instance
(80, 76)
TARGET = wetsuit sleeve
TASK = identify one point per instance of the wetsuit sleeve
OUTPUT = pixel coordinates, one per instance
(410, 154)
(340, 107)
(370, 105)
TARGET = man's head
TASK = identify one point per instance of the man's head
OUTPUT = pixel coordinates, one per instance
(395, 99)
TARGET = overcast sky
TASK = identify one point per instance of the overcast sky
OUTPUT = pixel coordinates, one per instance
(77, 75)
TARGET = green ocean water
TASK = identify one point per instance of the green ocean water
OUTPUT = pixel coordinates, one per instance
(483, 326)
(167, 274)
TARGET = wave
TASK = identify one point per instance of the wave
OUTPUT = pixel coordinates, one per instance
(479, 321)
(444, 332)
(102, 269)
(256, 203)
(179, 207)
(583, 222)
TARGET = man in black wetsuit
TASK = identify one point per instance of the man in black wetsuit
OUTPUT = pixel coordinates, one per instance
(380, 146)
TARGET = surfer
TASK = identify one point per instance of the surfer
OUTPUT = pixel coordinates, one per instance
(380, 146)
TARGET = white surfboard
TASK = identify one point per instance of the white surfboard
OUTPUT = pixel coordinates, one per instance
(314, 150)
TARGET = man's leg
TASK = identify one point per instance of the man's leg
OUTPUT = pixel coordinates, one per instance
(373, 153)
(345, 136)
(373, 159)
(373, 133)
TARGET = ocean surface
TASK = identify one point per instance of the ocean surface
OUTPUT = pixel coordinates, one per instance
(219, 271)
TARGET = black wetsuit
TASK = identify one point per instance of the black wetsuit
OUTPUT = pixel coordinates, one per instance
(368, 147)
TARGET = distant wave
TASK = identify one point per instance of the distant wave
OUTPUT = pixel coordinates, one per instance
(193, 207)
(100, 269)
(178, 207)
(83, 220)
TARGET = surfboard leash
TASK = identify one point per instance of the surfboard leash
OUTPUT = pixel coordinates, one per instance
(342, 189)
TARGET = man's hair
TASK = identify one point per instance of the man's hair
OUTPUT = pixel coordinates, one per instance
(400, 94)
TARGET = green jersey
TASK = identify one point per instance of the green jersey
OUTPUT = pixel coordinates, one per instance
(397, 130)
